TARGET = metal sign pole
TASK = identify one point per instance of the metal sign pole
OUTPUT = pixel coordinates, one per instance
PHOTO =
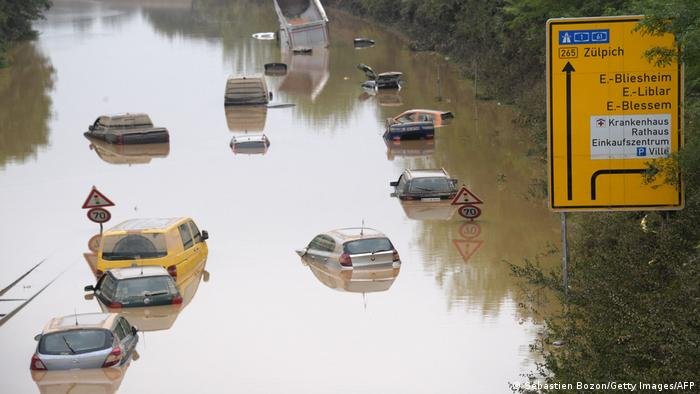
(565, 254)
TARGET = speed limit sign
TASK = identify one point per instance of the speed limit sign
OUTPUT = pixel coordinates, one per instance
(99, 215)
(469, 211)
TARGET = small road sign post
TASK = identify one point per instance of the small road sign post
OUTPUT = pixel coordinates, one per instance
(95, 203)
(467, 202)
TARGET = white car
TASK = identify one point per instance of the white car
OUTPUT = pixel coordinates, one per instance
(350, 248)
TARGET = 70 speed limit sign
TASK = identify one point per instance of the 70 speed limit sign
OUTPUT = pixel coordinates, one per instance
(99, 215)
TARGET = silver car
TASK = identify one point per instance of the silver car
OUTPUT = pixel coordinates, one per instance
(90, 340)
(350, 248)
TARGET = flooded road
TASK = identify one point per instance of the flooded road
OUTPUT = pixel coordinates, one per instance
(264, 322)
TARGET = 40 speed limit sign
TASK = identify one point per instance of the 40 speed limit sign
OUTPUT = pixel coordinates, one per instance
(99, 215)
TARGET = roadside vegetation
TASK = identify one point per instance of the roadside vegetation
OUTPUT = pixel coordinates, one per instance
(632, 310)
(16, 18)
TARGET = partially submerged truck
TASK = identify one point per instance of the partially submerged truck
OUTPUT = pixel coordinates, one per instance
(303, 23)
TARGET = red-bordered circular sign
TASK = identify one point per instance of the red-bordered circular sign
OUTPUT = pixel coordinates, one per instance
(99, 215)
(469, 211)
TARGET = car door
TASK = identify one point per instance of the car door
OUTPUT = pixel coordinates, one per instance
(201, 250)
(130, 339)
(321, 248)
(186, 260)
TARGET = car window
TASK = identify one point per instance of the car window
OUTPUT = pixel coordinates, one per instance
(402, 183)
(195, 231)
(142, 287)
(186, 236)
(75, 341)
(108, 286)
(419, 185)
(425, 117)
(134, 246)
(119, 330)
(125, 325)
(322, 243)
(367, 245)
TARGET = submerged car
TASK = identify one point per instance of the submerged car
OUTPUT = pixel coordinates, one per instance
(351, 248)
(150, 317)
(385, 80)
(438, 118)
(135, 287)
(410, 131)
(250, 144)
(127, 129)
(90, 340)
(425, 185)
(246, 90)
(173, 243)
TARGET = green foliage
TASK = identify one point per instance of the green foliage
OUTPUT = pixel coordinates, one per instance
(16, 18)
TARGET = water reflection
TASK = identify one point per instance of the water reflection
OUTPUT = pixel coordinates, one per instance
(409, 148)
(307, 75)
(359, 280)
(24, 91)
(96, 380)
(428, 210)
(128, 154)
(244, 118)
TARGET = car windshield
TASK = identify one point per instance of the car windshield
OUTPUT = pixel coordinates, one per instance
(134, 246)
(75, 341)
(144, 287)
(432, 185)
(368, 245)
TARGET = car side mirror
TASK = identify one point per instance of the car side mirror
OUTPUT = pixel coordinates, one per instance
(134, 330)
(395, 183)
(89, 296)
(270, 96)
(37, 337)
(454, 182)
(205, 235)
(89, 288)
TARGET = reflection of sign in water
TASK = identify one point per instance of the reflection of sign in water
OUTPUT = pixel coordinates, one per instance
(610, 111)
(466, 247)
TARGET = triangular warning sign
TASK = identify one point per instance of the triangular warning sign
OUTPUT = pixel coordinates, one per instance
(96, 199)
(467, 248)
(464, 196)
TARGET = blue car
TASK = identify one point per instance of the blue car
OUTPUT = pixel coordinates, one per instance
(410, 131)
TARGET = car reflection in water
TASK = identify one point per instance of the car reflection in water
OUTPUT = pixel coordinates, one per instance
(429, 210)
(156, 318)
(129, 154)
(370, 279)
(409, 148)
(385, 98)
(307, 75)
(95, 380)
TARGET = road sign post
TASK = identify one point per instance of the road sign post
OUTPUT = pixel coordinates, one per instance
(610, 112)
(95, 203)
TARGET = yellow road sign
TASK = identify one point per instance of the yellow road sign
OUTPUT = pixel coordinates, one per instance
(610, 111)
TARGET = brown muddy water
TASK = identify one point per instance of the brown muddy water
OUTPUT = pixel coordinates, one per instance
(448, 322)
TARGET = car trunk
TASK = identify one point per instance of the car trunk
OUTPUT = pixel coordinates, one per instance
(366, 259)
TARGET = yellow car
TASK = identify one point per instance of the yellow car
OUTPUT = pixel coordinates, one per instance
(176, 244)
